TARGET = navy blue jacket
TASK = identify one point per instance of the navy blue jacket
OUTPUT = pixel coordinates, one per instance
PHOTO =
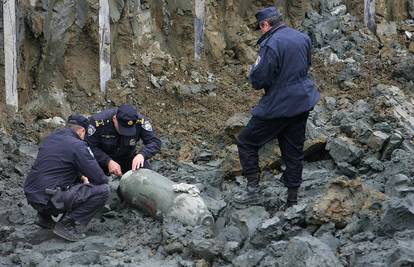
(282, 71)
(106, 143)
(63, 157)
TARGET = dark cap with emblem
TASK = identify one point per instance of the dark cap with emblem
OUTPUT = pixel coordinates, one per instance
(127, 117)
(78, 119)
(266, 13)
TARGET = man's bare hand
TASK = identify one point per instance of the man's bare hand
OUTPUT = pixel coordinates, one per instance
(114, 168)
(85, 179)
(138, 162)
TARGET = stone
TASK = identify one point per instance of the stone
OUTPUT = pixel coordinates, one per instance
(324, 32)
(399, 185)
(116, 93)
(360, 130)
(373, 164)
(343, 198)
(29, 150)
(115, 10)
(411, 8)
(235, 124)
(206, 248)
(398, 214)
(308, 251)
(405, 68)
(249, 219)
(248, 259)
(395, 142)
(215, 206)
(278, 248)
(230, 250)
(403, 251)
(411, 47)
(343, 149)
(347, 169)
(154, 81)
(315, 142)
(231, 163)
(387, 29)
(377, 141)
(330, 103)
(270, 229)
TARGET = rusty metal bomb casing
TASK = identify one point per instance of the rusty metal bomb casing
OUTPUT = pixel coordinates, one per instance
(154, 194)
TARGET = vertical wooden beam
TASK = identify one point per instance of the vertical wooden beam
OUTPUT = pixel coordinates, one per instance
(104, 44)
(199, 21)
(369, 15)
(10, 52)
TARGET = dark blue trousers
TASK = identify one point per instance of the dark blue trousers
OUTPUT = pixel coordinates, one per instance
(81, 202)
(290, 133)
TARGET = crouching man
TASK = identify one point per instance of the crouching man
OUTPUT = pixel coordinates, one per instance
(66, 178)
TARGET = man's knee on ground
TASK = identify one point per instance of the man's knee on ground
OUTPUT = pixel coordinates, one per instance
(103, 191)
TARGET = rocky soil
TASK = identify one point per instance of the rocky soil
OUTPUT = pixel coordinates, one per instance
(357, 200)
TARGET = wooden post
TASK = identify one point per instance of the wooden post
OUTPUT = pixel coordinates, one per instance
(199, 21)
(104, 44)
(369, 15)
(10, 52)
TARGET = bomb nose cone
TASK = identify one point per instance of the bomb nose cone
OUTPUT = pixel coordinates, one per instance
(207, 220)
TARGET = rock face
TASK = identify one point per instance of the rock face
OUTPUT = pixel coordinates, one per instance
(343, 199)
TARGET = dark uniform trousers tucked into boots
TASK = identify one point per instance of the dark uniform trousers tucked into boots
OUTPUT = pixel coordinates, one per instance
(78, 203)
(290, 133)
(66, 178)
(281, 71)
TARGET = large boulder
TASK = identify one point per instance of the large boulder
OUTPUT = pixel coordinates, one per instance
(308, 251)
(398, 214)
(343, 149)
(343, 199)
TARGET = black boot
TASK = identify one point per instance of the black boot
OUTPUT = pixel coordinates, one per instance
(292, 196)
(69, 229)
(45, 221)
(252, 194)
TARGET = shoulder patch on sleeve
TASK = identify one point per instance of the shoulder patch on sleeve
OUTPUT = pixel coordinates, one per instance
(147, 126)
(91, 130)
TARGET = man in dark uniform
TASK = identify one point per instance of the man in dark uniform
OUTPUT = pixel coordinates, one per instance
(281, 70)
(66, 178)
(113, 135)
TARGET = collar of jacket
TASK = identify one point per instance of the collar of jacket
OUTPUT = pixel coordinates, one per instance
(271, 32)
(74, 133)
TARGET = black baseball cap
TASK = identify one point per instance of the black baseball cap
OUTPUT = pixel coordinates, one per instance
(127, 117)
(266, 13)
(78, 119)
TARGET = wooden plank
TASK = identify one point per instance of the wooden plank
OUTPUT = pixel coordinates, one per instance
(199, 22)
(369, 15)
(104, 44)
(10, 52)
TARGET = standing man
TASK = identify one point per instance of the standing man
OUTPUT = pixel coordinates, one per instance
(281, 70)
(66, 178)
(113, 135)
